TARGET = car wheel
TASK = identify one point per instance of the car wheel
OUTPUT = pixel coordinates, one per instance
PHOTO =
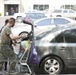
(58, 16)
(52, 65)
(19, 19)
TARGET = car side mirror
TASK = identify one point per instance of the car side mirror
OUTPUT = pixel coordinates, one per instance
(35, 25)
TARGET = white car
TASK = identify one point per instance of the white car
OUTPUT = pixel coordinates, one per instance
(19, 15)
(21, 28)
(53, 21)
(42, 25)
(64, 13)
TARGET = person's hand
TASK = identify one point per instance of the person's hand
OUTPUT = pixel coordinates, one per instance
(24, 36)
(14, 42)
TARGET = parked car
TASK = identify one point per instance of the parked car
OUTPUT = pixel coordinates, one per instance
(53, 21)
(33, 16)
(19, 15)
(41, 25)
(30, 15)
(57, 49)
(64, 13)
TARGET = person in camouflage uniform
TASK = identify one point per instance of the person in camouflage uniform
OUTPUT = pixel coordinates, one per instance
(6, 51)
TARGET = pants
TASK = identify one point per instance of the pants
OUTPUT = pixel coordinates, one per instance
(1, 61)
(6, 52)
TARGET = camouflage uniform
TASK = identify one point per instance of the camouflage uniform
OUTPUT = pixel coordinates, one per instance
(6, 50)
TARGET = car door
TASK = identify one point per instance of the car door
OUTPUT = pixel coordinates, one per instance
(70, 38)
(66, 44)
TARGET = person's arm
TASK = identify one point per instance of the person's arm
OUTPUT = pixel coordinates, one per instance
(13, 37)
(16, 37)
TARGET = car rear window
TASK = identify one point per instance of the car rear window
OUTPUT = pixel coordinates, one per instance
(61, 21)
(57, 11)
(35, 15)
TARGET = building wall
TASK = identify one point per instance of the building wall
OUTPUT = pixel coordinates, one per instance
(36, 2)
(23, 5)
(27, 5)
(2, 7)
(5, 3)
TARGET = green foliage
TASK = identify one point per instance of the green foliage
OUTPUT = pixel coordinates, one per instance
(0, 14)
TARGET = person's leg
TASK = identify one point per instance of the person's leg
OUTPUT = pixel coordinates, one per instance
(5, 66)
(12, 59)
(10, 55)
(1, 61)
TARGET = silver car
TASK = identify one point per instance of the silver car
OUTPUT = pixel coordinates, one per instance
(57, 49)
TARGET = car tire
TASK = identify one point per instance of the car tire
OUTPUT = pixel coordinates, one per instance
(58, 16)
(52, 65)
(19, 19)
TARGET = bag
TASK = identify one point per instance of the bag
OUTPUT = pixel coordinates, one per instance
(33, 57)
(25, 45)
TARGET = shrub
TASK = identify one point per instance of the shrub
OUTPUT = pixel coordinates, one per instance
(0, 14)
